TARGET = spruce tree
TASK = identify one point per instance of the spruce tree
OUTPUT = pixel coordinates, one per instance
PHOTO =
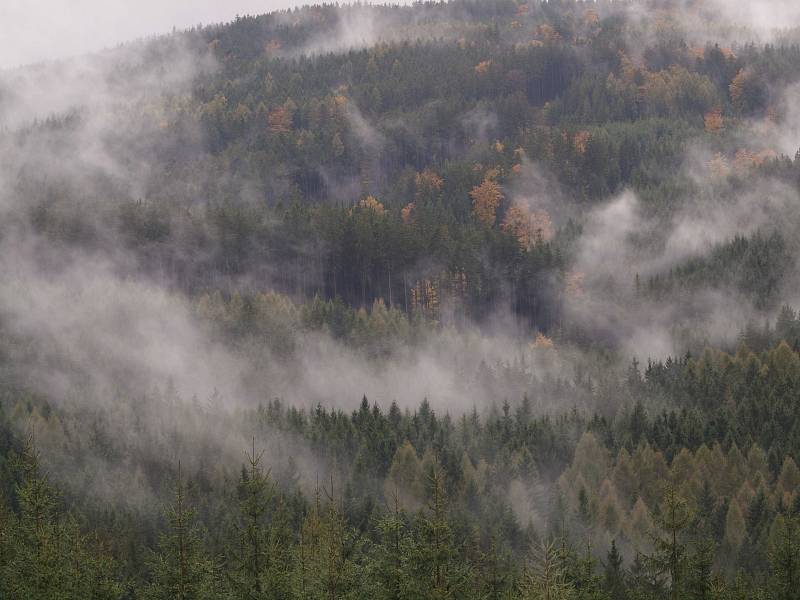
(784, 558)
(326, 553)
(387, 576)
(614, 574)
(45, 555)
(670, 556)
(545, 576)
(180, 568)
(257, 557)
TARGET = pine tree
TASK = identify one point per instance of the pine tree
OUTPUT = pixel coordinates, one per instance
(670, 555)
(497, 573)
(388, 566)
(324, 558)
(784, 558)
(614, 574)
(647, 582)
(34, 568)
(180, 568)
(45, 554)
(583, 576)
(257, 558)
(700, 584)
(545, 576)
(437, 569)
(8, 537)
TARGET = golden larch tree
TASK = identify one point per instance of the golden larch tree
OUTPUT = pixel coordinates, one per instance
(542, 342)
(590, 16)
(528, 227)
(279, 120)
(573, 284)
(581, 141)
(713, 120)
(542, 226)
(428, 180)
(370, 204)
(482, 68)
(486, 197)
(718, 166)
(407, 213)
(547, 33)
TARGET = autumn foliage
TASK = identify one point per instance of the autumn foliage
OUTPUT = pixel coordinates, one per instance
(279, 120)
(407, 213)
(482, 68)
(718, 166)
(428, 180)
(486, 197)
(528, 227)
(581, 141)
(370, 204)
(713, 120)
(745, 160)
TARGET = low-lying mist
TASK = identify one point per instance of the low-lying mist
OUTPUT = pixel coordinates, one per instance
(155, 379)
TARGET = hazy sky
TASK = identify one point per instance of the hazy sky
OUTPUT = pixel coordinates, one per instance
(35, 30)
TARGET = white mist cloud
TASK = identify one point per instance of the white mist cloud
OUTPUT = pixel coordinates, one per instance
(696, 22)
(37, 30)
(84, 318)
(762, 16)
(621, 240)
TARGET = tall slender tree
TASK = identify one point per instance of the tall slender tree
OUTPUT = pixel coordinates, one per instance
(180, 569)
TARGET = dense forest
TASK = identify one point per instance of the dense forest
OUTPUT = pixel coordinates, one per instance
(475, 299)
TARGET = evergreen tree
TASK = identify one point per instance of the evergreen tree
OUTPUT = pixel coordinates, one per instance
(436, 568)
(700, 583)
(584, 577)
(257, 559)
(545, 576)
(326, 553)
(614, 574)
(387, 576)
(45, 554)
(670, 554)
(784, 557)
(180, 570)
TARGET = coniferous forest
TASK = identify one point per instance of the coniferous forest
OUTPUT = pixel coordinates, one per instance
(478, 299)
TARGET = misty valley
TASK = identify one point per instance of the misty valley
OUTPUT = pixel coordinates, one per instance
(470, 300)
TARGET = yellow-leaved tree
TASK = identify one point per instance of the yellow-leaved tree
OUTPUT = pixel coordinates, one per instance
(407, 213)
(370, 204)
(713, 120)
(486, 197)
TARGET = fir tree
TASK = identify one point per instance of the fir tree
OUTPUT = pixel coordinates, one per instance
(180, 569)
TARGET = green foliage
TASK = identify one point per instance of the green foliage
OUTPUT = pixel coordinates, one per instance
(370, 195)
(179, 568)
(784, 554)
(546, 576)
(258, 557)
(43, 553)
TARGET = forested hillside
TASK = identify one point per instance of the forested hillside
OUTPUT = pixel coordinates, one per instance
(472, 299)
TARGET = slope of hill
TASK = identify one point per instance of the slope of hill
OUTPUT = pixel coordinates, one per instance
(480, 219)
